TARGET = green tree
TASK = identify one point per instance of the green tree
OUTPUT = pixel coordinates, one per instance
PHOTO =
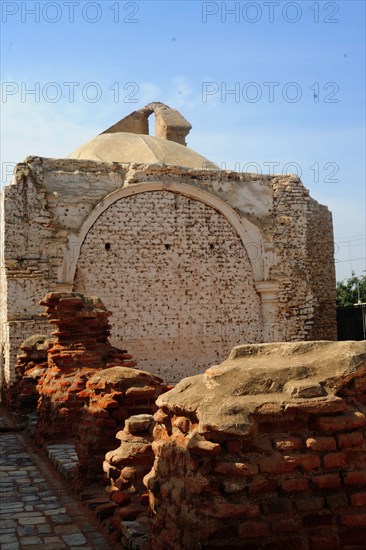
(350, 291)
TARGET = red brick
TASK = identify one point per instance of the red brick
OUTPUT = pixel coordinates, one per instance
(358, 499)
(120, 498)
(253, 529)
(343, 422)
(234, 446)
(356, 457)
(327, 481)
(355, 520)
(334, 460)
(235, 469)
(318, 520)
(354, 439)
(323, 542)
(321, 443)
(317, 406)
(352, 537)
(294, 485)
(294, 543)
(286, 525)
(262, 444)
(259, 486)
(274, 504)
(358, 477)
(337, 501)
(307, 462)
(310, 503)
(277, 464)
(231, 511)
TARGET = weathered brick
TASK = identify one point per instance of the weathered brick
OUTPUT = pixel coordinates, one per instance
(354, 439)
(288, 543)
(357, 477)
(307, 462)
(262, 485)
(327, 481)
(276, 505)
(318, 520)
(352, 537)
(317, 406)
(294, 485)
(323, 542)
(337, 501)
(253, 529)
(321, 443)
(234, 446)
(354, 520)
(310, 503)
(342, 422)
(358, 499)
(277, 464)
(334, 460)
(230, 511)
(286, 525)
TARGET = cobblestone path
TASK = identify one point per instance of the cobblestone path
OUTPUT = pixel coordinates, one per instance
(37, 510)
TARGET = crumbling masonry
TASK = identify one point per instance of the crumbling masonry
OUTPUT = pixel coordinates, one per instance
(190, 260)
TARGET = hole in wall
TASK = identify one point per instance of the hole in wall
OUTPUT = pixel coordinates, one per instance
(107, 246)
(152, 124)
(168, 246)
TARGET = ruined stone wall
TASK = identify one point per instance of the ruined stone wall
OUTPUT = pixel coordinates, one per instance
(110, 397)
(266, 451)
(321, 270)
(80, 348)
(49, 201)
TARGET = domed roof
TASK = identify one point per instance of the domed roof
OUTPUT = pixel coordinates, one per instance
(140, 148)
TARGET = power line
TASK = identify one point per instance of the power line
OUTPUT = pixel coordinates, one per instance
(350, 240)
(350, 260)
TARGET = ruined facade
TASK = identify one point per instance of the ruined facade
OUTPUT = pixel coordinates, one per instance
(265, 451)
(190, 260)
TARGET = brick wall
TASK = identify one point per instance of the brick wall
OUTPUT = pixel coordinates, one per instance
(177, 279)
(80, 349)
(110, 397)
(264, 471)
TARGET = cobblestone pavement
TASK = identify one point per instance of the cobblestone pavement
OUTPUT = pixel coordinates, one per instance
(37, 510)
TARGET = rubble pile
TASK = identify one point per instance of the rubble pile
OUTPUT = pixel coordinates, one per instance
(266, 450)
(80, 349)
(22, 395)
(111, 396)
(125, 467)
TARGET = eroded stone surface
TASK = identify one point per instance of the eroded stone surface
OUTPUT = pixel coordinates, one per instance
(271, 378)
(250, 454)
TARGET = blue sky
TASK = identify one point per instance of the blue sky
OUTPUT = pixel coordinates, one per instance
(268, 86)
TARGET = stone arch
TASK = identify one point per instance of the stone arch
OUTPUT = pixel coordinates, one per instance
(250, 235)
(170, 124)
(179, 310)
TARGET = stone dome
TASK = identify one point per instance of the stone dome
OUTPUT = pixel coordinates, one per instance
(130, 147)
